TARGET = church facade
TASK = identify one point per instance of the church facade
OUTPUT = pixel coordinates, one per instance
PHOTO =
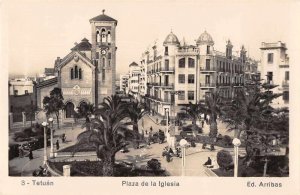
(87, 73)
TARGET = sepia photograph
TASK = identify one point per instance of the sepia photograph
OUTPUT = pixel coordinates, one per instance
(132, 90)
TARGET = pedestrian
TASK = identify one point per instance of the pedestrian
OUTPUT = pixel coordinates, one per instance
(156, 120)
(150, 135)
(30, 154)
(57, 145)
(202, 123)
(147, 139)
(21, 151)
(63, 138)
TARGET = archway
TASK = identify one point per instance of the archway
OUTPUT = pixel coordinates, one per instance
(69, 110)
(83, 108)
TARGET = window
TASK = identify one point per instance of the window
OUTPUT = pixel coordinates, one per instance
(72, 74)
(182, 63)
(269, 77)
(103, 62)
(166, 64)
(285, 96)
(76, 72)
(191, 62)
(270, 58)
(15, 92)
(191, 95)
(181, 95)
(207, 79)
(208, 49)
(103, 74)
(80, 73)
(97, 55)
(166, 51)
(287, 75)
(181, 78)
(109, 55)
(207, 64)
(191, 78)
(26, 92)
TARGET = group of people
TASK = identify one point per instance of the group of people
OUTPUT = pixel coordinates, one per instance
(22, 152)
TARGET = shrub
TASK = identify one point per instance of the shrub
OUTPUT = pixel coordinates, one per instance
(154, 164)
(227, 140)
(224, 159)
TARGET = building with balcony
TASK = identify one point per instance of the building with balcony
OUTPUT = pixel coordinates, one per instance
(275, 70)
(181, 73)
(124, 83)
(133, 80)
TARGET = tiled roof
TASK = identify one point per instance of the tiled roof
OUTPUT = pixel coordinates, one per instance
(47, 83)
(103, 17)
(84, 45)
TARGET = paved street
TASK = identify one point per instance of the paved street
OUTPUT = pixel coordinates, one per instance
(195, 157)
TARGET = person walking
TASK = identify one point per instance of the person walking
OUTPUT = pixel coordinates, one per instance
(202, 123)
(57, 145)
(21, 151)
(30, 154)
(147, 137)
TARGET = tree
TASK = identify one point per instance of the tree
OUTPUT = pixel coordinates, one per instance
(194, 111)
(136, 112)
(212, 108)
(54, 103)
(109, 132)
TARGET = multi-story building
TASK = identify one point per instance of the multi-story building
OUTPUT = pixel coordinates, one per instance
(184, 73)
(133, 80)
(124, 83)
(142, 80)
(275, 70)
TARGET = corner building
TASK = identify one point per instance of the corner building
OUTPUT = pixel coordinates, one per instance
(185, 73)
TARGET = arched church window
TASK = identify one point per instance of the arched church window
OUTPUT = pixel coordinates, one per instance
(103, 62)
(103, 35)
(108, 37)
(97, 36)
(80, 73)
(72, 74)
(76, 72)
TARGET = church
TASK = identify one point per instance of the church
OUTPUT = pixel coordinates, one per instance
(87, 74)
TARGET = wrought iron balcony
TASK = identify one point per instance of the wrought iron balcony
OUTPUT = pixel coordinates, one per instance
(208, 69)
(207, 84)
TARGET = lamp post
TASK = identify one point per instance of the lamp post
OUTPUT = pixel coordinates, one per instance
(236, 142)
(183, 144)
(51, 138)
(45, 124)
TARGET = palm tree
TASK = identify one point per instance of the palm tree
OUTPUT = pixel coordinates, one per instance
(136, 112)
(194, 111)
(212, 108)
(109, 132)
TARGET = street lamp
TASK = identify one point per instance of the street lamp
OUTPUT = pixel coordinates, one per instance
(45, 124)
(183, 144)
(236, 142)
(51, 138)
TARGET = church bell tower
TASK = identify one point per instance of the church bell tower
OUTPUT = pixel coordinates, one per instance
(104, 55)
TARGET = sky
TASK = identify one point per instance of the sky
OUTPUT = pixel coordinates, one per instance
(36, 32)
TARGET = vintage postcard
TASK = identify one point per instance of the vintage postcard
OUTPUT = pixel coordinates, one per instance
(132, 97)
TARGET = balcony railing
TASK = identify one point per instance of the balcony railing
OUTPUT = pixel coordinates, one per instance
(207, 84)
(167, 69)
(207, 68)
